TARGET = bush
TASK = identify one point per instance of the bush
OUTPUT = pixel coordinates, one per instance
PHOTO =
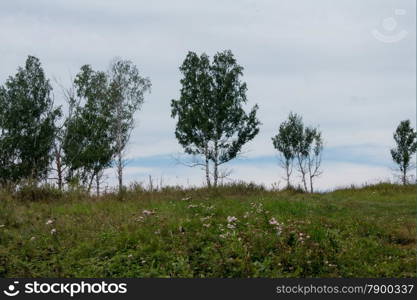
(31, 192)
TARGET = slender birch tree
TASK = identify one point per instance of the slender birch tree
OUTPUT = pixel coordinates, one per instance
(211, 121)
(127, 89)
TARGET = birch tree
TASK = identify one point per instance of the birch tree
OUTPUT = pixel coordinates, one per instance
(211, 121)
(88, 143)
(300, 145)
(406, 146)
(127, 89)
(27, 125)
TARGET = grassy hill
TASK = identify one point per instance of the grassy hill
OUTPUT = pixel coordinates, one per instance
(234, 231)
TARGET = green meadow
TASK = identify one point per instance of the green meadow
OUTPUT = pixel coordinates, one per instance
(239, 231)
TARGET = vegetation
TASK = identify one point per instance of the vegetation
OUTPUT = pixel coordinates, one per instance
(212, 123)
(406, 145)
(127, 88)
(240, 230)
(27, 125)
(301, 144)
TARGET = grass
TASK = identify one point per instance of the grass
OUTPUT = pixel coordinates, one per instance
(355, 232)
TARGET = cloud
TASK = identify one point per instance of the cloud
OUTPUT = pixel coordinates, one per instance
(318, 59)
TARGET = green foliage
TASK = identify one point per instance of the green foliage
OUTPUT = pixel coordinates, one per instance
(406, 145)
(27, 126)
(303, 144)
(211, 120)
(286, 141)
(88, 143)
(126, 88)
(30, 192)
(234, 231)
(99, 125)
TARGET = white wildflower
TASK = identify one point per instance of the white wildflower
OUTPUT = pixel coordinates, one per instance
(147, 212)
(53, 231)
(231, 219)
(49, 222)
(273, 222)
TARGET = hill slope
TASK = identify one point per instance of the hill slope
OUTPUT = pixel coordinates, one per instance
(236, 231)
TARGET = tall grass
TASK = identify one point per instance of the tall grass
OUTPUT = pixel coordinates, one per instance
(236, 230)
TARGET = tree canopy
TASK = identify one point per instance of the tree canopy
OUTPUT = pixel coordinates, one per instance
(27, 124)
(406, 145)
(212, 122)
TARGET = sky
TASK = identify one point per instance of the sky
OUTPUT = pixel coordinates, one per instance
(346, 66)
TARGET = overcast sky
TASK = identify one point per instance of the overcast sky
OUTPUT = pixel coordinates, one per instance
(345, 66)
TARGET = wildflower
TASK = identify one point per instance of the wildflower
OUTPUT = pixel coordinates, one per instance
(147, 212)
(32, 238)
(206, 225)
(49, 222)
(53, 231)
(273, 222)
(192, 206)
(186, 198)
(130, 256)
(231, 226)
(231, 219)
(2, 225)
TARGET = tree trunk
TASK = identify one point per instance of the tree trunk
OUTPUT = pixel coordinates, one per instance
(216, 164)
(120, 172)
(305, 182)
(119, 146)
(58, 167)
(216, 174)
(208, 173)
(90, 183)
(404, 175)
(98, 185)
(287, 169)
(303, 173)
(311, 184)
